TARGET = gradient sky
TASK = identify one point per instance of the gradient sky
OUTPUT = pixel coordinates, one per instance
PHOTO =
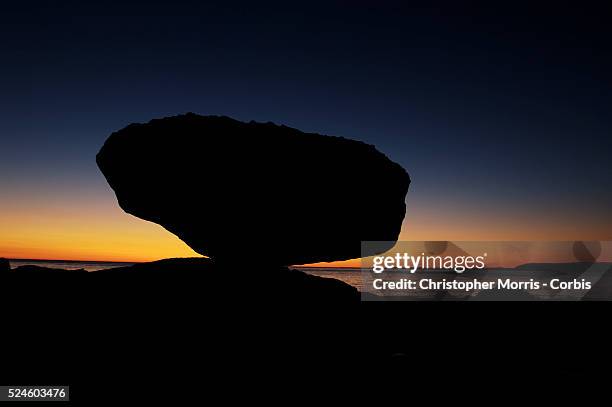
(501, 117)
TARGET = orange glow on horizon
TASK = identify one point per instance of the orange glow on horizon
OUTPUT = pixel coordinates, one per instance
(91, 231)
(94, 228)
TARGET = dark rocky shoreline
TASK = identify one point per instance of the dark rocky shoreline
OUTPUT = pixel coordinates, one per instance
(190, 274)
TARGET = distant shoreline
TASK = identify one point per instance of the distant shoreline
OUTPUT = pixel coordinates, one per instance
(520, 267)
(138, 262)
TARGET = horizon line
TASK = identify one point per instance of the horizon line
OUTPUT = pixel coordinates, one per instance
(142, 262)
(289, 266)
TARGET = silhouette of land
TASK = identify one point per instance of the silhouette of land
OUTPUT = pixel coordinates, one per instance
(194, 277)
(254, 198)
(269, 284)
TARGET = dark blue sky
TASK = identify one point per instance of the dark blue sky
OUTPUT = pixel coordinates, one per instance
(495, 113)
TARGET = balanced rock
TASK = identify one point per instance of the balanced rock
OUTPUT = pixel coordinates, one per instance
(256, 192)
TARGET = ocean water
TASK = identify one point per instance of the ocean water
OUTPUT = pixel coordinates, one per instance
(69, 265)
(351, 276)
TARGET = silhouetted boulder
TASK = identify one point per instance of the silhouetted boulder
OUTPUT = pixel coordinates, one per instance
(256, 192)
(5, 266)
